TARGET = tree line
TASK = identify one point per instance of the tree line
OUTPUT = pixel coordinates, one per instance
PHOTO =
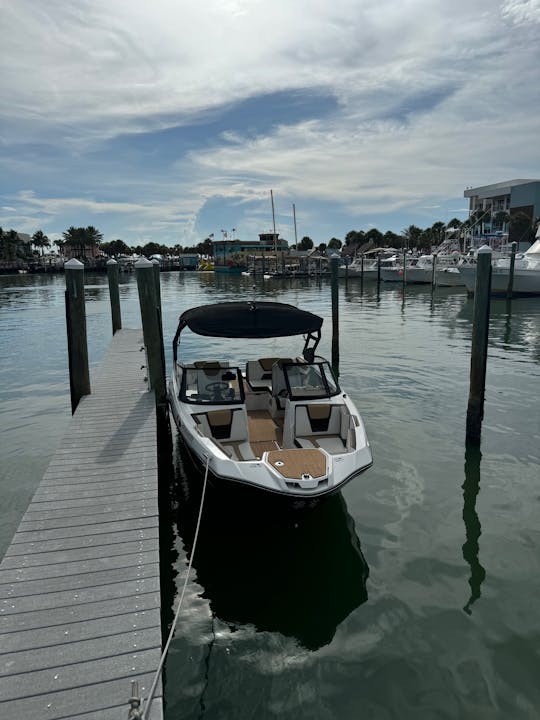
(520, 226)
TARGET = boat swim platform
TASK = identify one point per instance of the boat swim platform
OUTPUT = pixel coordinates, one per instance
(79, 584)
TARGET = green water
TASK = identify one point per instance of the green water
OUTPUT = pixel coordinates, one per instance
(413, 593)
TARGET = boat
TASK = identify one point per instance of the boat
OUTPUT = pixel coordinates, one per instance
(393, 269)
(526, 280)
(371, 265)
(279, 424)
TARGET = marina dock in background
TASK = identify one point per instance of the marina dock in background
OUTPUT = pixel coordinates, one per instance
(80, 582)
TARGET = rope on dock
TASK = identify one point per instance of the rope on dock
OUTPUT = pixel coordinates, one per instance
(144, 713)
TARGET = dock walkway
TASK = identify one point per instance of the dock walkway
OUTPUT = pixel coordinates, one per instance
(79, 584)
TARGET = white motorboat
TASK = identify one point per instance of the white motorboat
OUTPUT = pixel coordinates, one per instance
(278, 424)
(526, 280)
(393, 271)
(370, 268)
(421, 271)
(449, 277)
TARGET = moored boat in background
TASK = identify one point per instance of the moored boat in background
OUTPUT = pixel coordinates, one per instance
(526, 277)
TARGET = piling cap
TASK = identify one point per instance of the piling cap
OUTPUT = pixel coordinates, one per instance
(143, 263)
(74, 264)
(484, 249)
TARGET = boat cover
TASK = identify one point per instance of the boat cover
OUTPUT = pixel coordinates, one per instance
(249, 320)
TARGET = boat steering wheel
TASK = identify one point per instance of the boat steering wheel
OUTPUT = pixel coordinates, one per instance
(217, 387)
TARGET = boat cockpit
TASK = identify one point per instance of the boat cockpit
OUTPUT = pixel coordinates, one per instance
(218, 383)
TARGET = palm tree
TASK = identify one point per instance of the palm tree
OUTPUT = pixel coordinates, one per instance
(10, 241)
(521, 227)
(93, 236)
(437, 232)
(73, 237)
(500, 219)
(40, 240)
(334, 244)
(306, 243)
(60, 245)
(81, 238)
(412, 235)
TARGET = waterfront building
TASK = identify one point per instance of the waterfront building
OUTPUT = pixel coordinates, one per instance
(495, 205)
(235, 255)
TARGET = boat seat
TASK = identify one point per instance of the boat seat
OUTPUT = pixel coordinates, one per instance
(318, 419)
(333, 444)
(326, 426)
(259, 373)
(238, 450)
(226, 424)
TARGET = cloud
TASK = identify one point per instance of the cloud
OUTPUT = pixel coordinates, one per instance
(136, 116)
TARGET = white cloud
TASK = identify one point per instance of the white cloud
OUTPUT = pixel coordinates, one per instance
(430, 98)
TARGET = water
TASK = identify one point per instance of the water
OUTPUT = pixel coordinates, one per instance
(412, 594)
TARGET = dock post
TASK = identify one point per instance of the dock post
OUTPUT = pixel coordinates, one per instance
(157, 281)
(433, 270)
(404, 276)
(361, 272)
(480, 333)
(378, 269)
(79, 373)
(151, 322)
(335, 314)
(114, 294)
(511, 271)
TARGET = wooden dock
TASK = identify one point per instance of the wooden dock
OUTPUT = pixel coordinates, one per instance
(79, 584)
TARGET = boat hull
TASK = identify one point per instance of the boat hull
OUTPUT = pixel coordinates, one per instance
(526, 282)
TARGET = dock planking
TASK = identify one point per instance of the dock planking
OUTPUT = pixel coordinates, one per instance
(79, 584)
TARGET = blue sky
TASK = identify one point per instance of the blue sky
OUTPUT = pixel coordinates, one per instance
(171, 120)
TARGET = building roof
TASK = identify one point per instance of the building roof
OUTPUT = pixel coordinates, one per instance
(496, 189)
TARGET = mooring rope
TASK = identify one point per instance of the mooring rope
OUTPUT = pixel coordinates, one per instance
(145, 713)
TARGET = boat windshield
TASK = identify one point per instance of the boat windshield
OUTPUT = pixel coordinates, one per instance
(310, 380)
(211, 385)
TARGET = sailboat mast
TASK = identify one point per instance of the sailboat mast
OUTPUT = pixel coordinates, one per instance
(273, 222)
(295, 233)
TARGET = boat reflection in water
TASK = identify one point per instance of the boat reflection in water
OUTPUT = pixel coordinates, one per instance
(296, 570)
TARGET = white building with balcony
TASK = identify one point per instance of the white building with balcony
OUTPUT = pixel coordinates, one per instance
(494, 205)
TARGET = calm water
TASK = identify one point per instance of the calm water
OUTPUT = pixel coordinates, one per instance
(412, 594)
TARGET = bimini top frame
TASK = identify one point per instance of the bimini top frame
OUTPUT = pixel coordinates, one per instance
(251, 320)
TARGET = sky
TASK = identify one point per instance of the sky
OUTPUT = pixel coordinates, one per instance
(171, 120)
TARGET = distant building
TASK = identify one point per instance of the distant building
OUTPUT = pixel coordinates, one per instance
(80, 250)
(234, 255)
(510, 197)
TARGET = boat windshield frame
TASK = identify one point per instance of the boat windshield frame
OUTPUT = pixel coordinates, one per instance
(301, 387)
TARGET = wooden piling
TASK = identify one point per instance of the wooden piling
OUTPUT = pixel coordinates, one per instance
(511, 271)
(157, 281)
(362, 272)
(434, 270)
(378, 269)
(404, 276)
(151, 322)
(480, 334)
(114, 294)
(334, 271)
(79, 373)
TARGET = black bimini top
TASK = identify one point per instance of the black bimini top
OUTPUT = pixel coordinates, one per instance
(249, 320)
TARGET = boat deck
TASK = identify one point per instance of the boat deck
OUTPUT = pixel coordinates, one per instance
(265, 433)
